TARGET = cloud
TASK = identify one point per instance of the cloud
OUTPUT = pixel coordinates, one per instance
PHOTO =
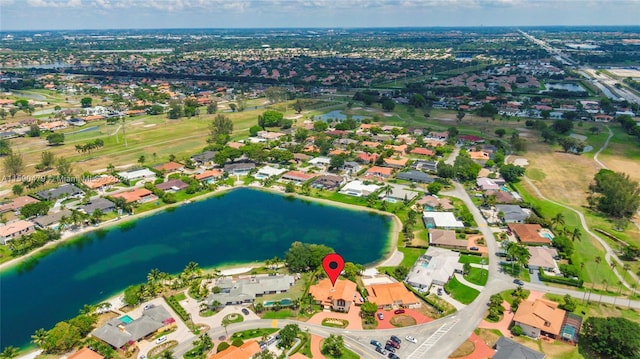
(55, 3)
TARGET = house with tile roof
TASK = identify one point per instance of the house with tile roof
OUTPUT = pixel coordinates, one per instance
(118, 332)
(338, 298)
(138, 195)
(246, 351)
(16, 229)
(446, 238)
(396, 162)
(392, 295)
(17, 203)
(382, 172)
(539, 317)
(85, 353)
(529, 233)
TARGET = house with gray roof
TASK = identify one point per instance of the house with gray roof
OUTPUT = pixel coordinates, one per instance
(119, 331)
(328, 182)
(51, 220)
(240, 168)
(203, 158)
(246, 290)
(509, 349)
(65, 191)
(398, 193)
(415, 176)
(100, 203)
(173, 185)
(421, 165)
(512, 213)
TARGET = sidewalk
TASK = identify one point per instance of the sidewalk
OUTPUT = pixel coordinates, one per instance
(461, 279)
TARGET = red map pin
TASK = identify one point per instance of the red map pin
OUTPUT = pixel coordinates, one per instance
(333, 264)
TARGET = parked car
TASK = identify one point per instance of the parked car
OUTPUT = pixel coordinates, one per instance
(396, 339)
(390, 348)
(381, 351)
(393, 344)
(439, 291)
(375, 342)
(161, 340)
(245, 311)
(393, 356)
(148, 306)
(399, 311)
(474, 248)
(380, 316)
(518, 282)
(411, 339)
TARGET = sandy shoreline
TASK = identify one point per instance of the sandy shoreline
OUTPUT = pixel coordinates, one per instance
(390, 247)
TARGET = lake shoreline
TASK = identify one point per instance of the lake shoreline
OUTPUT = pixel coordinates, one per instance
(70, 236)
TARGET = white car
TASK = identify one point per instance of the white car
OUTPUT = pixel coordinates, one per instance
(411, 339)
(161, 340)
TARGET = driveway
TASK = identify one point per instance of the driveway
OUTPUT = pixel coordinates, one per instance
(353, 317)
(315, 347)
(503, 324)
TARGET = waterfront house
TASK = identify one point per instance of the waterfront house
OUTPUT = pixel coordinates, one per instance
(138, 195)
(435, 266)
(208, 176)
(239, 169)
(446, 239)
(297, 177)
(16, 229)
(102, 204)
(444, 220)
(268, 171)
(328, 182)
(338, 298)
(52, 220)
(123, 330)
(359, 189)
(246, 290)
(173, 185)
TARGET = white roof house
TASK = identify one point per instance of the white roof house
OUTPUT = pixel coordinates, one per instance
(321, 160)
(436, 266)
(543, 257)
(398, 193)
(268, 171)
(441, 220)
(144, 173)
(359, 189)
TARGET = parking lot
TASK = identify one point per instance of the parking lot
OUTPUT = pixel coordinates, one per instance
(401, 350)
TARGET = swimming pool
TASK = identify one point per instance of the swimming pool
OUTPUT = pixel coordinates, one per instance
(283, 302)
(126, 319)
(424, 264)
(547, 235)
(504, 188)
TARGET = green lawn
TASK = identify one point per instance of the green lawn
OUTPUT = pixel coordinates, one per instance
(281, 314)
(466, 258)
(410, 255)
(461, 292)
(477, 276)
(254, 333)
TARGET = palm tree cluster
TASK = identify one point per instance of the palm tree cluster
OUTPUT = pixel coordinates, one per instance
(90, 146)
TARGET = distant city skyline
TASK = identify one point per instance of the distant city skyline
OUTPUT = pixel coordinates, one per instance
(37, 15)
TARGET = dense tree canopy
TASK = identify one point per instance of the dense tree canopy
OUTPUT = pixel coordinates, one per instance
(511, 173)
(270, 118)
(220, 129)
(302, 257)
(615, 194)
(612, 338)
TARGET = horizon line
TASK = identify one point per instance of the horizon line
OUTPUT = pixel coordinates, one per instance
(325, 28)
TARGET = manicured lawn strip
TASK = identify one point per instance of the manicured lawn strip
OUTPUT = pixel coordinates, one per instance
(254, 333)
(466, 258)
(281, 314)
(506, 295)
(477, 276)
(461, 292)
(346, 353)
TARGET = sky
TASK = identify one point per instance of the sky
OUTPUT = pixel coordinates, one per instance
(150, 14)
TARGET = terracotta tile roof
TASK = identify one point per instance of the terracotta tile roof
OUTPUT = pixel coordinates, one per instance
(208, 174)
(101, 181)
(542, 314)
(133, 195)
(366, 157)
(344, 289)
(15, 227)
(245, 351)
(17, 203)
(528, 233)
(422, 151)
(390, 294)
(370, 144)
(401, 162)
(479, 155)
(169, 167)
(299, 176)
(382, 171)
(85, 353)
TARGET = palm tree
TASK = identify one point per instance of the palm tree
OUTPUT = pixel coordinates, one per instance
(167, 354)
(154, 275)
(626, 268)
(557, 220)
(633, 292)
(576, 234)
(613, 265)
(9, 352)
(387, 190)
(606, 284)
(598, 260)
(88, 309)
(39, 337)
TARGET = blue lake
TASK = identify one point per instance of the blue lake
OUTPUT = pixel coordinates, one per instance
(241, 226)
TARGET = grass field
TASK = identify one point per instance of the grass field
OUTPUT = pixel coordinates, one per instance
(466, 258)
(477, 276)
(461, 292)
